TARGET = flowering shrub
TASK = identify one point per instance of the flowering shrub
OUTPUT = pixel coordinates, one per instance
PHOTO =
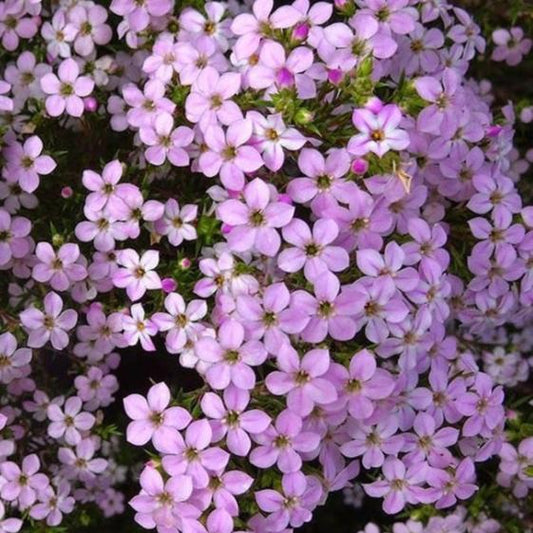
(315, 209)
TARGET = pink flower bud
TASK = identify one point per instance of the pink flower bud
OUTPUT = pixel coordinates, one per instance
(494, 131)
(185, 263)
(90, 104)
(168, 285)
(335, 76)
(226, 228)
(285, 198)
(526, 116)
(511, 415)
(374, 104)
(300, 31)
(66, 192)
(359, 166)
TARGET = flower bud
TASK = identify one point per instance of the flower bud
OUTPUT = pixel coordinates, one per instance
(226, 228)
(90, 104)
(168, 285)
(66, 192)
(303, 116)
(300, 31)
(57, 240)
(359, 166)
(185, 263)
(335, 76)
(494, 131)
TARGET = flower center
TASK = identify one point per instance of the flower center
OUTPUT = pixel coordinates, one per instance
(66, 89)
(377, 136)
(232, 357)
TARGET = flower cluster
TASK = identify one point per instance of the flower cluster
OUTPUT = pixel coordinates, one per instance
(313, 208)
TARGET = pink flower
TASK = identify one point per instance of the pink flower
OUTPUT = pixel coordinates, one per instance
(277, 71)
(165, 142)
(194, 57)
(147, 104)
(96, 388)
(193, 456)
(81, 461)
(13, 26)
(160, 499)
(90, 24)
(323, 184)
(138, 328)
(373, 442)
(329, 312)
(51, 325)
(25, 163)
(176, 222)
(312, 251)
(60, 269)
(180, 321)
(271, 136)
(282, 444)
(70, 421)
(106, 191)
(379, 131)
(302, 381)
(273, 318)
(214, 25)
(363, 384)
(23, 484)
(6, 103)
(153, 418)
(229, 155)
(58, 33)
(25, 76)
(163, 61)
(511, 45)
(137, 275)
(231, 358)
(14, 241)
(452, 484)
(138, 15)
(230, 418)
(13, 360)
(209, 101)
(52, 504)
(254, 222)
(66, 89)
(399, 486)
(100, 228)
(281, 515)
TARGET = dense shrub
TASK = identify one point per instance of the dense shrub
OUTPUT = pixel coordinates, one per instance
(295, 242)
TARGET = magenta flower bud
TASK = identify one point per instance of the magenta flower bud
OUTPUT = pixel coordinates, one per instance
(335, 76)
(494, 131)
(359, 166)
(374, 104)
(90, 104)
(300, 31)
(285, 198)
(168, 285)
(226, 228)
(66, 192)
(285, 78)
(340, 4)
(511, 414)
(185, 263)
(526, 115)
